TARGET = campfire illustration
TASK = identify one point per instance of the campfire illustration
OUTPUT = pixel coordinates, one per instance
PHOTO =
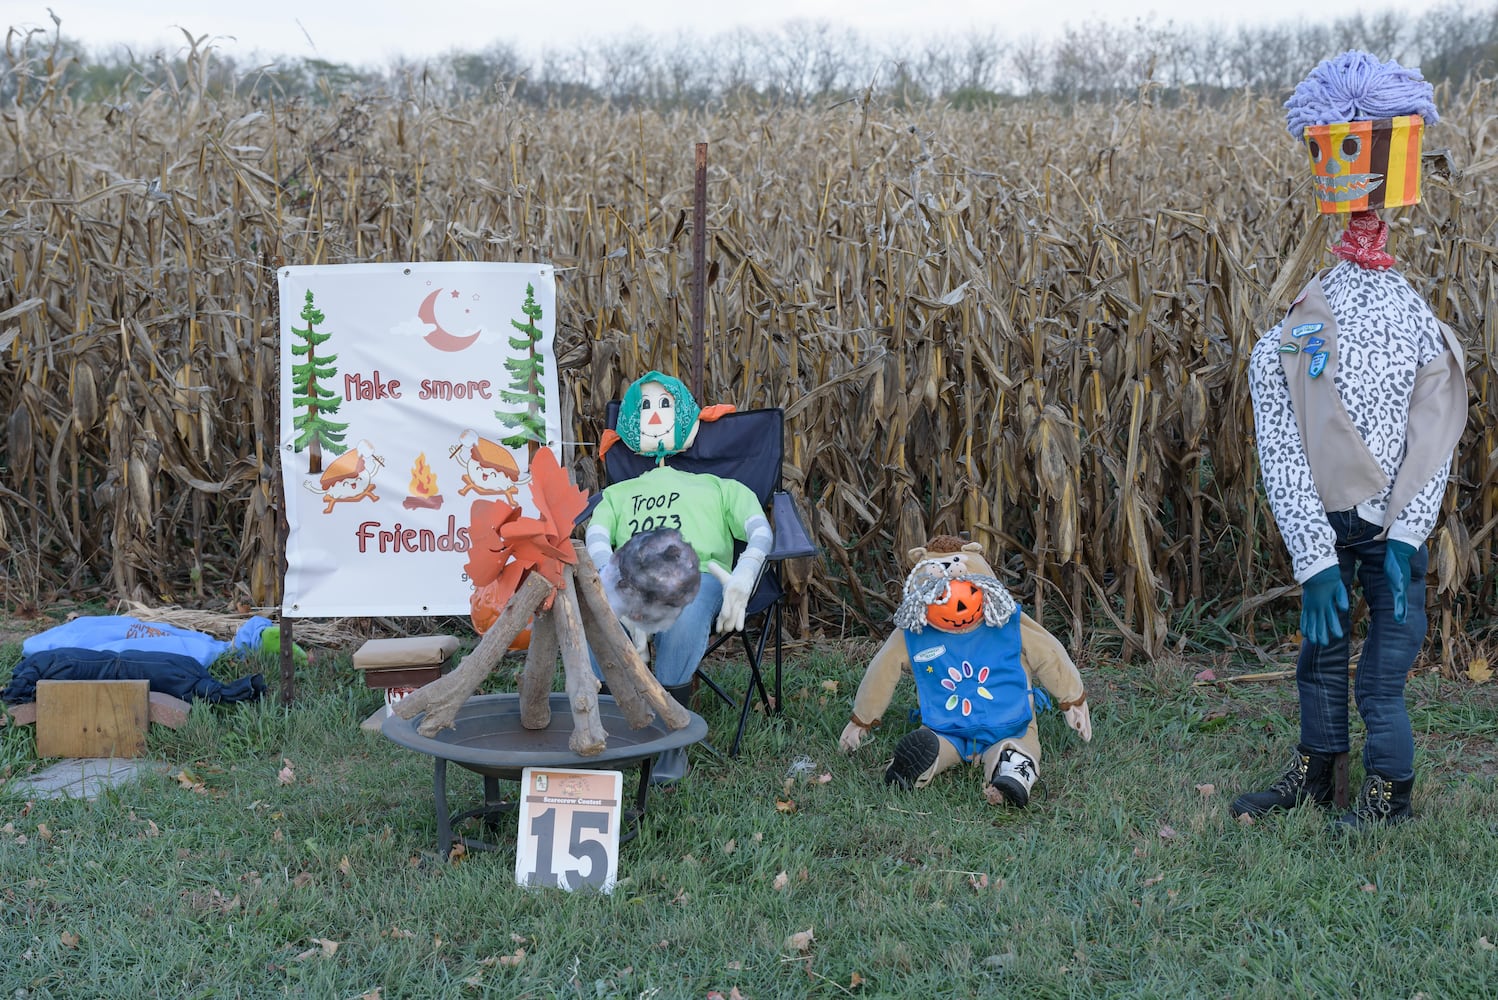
(423, 492)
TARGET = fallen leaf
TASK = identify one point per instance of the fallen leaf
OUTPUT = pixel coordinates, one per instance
(43, 832)
(1485, 944)
(739, 966)
(800, 941)
(1370, 887)
(979, 882)
(69, 939)
(781, 881)
(152, 830)
(474, 981)
(398, 933)
(731, 846)
(785, 805)
(345, 866)
(681, 898)
(1206, 790)
(1167, 832)
(822, 779)
(286, 775)
(302, 880)
(1479, 670)
(855, 981)
(1153, 880)
(1207, 675)
(374, 994)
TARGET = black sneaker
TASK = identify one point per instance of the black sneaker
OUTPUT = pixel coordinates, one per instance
(914, 755)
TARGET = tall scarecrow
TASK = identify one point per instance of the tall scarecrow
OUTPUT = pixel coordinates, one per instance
(1359, 400)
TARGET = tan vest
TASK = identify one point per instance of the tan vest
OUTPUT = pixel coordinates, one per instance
(1344, 470)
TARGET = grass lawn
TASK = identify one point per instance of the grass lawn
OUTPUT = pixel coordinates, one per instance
(1124, 878)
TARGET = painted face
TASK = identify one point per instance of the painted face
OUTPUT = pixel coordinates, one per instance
(1366, 164)
(657, 419)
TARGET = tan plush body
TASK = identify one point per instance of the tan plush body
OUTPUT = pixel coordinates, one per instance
(942, 573)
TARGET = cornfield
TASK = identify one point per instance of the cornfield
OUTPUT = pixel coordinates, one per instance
(1030, 325)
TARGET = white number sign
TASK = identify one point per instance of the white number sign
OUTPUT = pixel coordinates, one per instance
(569, 828)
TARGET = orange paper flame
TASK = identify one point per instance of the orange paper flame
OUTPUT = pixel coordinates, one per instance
(507, 545)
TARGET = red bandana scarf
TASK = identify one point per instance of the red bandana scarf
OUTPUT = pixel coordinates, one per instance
(1363, 242)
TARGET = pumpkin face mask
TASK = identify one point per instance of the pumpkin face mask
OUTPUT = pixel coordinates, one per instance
(961, 607)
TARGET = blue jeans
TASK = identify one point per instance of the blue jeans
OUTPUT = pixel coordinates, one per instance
(1389, 651)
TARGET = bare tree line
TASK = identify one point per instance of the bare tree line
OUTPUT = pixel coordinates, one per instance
(815, 61)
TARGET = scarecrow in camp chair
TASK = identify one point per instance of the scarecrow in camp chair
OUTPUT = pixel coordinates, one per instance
(982, 668)
(680, 596)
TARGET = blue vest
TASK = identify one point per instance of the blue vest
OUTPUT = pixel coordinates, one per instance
(972, 686)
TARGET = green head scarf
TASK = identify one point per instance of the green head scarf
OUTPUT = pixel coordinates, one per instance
(686, 410)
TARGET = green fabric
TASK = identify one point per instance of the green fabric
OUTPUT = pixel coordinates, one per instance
(710, 512)
(627, 426)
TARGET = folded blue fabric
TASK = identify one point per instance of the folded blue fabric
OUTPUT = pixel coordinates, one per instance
(121, 632)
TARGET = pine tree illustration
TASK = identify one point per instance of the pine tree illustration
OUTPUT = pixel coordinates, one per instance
(526, 391)
(312, 402)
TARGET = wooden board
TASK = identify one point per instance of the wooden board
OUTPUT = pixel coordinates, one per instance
(92, 718)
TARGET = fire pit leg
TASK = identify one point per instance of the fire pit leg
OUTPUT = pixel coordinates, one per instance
(439, 794)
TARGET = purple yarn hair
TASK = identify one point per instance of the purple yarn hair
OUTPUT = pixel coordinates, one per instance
(1355, 86)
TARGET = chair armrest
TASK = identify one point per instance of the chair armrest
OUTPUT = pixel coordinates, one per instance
(792, 541)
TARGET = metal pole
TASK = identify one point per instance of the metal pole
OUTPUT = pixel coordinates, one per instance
(283, 526)
(699, 265)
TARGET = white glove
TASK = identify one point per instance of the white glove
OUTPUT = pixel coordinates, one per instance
(852, 737)
(1080, 719)
(736, 589)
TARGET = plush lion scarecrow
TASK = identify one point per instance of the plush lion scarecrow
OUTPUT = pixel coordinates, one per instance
(982, 668)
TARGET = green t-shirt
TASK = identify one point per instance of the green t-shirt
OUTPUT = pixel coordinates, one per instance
(710, 512)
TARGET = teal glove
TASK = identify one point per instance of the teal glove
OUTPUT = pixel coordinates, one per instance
(1322, 599)
(1397, 570)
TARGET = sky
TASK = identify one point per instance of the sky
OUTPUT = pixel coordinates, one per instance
(372, 33)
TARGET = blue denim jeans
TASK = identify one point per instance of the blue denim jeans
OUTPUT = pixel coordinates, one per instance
(1389, 651)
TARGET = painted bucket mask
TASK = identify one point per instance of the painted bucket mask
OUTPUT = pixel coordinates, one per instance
(1365, 164)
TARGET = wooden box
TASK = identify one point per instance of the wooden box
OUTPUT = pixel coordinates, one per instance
(407, 662)
(92, 718)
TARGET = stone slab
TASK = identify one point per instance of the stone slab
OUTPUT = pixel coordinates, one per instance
(78, 778)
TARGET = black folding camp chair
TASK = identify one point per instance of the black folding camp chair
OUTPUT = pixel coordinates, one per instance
(748, 446)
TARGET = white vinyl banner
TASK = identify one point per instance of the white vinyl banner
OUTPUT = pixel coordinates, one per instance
(408, 391)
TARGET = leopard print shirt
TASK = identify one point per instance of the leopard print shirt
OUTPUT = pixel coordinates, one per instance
(1385, 334)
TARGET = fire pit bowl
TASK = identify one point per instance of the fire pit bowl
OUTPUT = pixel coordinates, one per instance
(487, 738)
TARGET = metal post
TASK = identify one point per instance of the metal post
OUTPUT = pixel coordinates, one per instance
(699, 265)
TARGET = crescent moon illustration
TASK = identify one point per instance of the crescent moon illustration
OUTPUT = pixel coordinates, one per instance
(440, 338)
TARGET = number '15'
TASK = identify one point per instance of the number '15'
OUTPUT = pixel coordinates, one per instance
(543, 828)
